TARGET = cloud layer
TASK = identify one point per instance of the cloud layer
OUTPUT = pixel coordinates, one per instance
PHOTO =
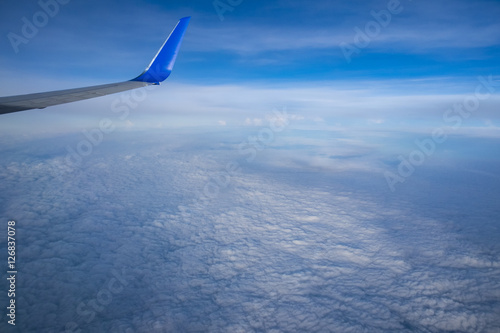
(135, 240)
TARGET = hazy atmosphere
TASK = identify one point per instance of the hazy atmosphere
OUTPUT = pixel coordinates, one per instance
(326, 166)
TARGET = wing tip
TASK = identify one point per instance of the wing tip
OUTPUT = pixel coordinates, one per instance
(161, 65)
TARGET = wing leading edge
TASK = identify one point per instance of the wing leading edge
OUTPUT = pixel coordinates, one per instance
(157, 71)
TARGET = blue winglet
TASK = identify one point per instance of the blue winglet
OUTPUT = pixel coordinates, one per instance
(161, 65)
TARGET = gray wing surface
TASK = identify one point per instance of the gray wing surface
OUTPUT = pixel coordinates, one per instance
(157, 71)
(42, 100)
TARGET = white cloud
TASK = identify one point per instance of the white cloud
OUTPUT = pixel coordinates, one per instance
(410, 35)
(254, 122)
(277, 247)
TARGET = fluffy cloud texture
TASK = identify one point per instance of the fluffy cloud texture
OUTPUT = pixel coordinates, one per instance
(152, 233)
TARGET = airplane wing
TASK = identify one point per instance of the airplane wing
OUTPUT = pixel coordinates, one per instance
(157, 71)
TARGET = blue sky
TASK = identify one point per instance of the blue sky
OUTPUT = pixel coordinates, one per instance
(263, 54)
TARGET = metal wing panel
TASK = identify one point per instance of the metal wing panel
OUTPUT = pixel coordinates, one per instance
(42, 100)
(158, 70)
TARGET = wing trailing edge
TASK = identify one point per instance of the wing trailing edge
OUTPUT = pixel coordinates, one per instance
(157, 71)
